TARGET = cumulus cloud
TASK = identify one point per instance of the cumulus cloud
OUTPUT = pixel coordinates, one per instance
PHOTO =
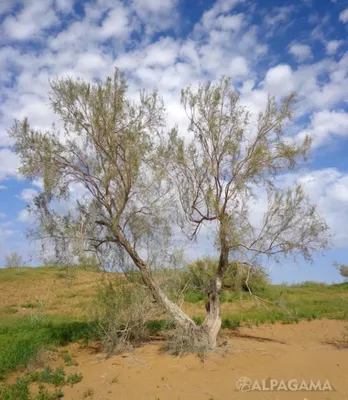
(2, 215)
(279, 80)
(326, 124)
(302, 52)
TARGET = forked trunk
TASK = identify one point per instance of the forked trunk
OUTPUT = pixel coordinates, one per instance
(206, 335)
(212, 323)
(180, 318)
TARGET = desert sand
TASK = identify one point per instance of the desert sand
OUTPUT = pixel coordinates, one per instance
(290, 353)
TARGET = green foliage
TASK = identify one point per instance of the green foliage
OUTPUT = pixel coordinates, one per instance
(67, 358)
(237, 278)
(156, 326)
(20, 390)
(73, 379)
(48, 375)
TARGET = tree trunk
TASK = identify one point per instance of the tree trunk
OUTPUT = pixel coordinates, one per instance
(180, 318)
(212, 322)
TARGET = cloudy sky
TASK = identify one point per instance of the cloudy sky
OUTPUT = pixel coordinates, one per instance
(264, 46)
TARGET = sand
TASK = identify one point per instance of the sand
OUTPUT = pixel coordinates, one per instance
(282, 353)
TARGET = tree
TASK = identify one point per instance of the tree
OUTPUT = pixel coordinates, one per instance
(107, 151)
(220, 174)
(13, 260)
(113, 152)
(342, 269)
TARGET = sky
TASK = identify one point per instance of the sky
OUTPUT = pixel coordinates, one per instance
(266, 47)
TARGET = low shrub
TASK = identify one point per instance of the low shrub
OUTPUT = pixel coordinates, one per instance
(121, 313)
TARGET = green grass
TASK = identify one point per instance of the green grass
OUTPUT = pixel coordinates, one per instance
(25, 273)
(21, 338)
(20, 390)
(73, 379)
(307, 301)
(67, 358)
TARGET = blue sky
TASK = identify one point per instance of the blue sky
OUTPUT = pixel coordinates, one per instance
(264, 46)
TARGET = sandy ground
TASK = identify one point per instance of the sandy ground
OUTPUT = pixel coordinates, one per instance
(278, 352)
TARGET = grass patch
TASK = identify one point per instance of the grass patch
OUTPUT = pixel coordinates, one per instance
(67, 358)
(73, 379)
(22, 338)
(20, 390)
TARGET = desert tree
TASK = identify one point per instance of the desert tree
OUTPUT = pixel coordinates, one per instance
(104, 192)
(342, 269)
(107, 189)
(226, 166)
(13, 260)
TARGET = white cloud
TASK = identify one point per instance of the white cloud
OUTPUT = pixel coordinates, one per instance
(328, 188)
(116, 23)
(28, 194)
(344, 16)
(301, 52)
(332, 46)
(279, 80)
(209, 18)
(238, 67)
(6, 6)
(155, 6)
(2, 215)
(3, 187)
(156, 14)
(25, 217)
(34, 17)
(9, 162)
(64, 6)
(230, 22)
(163, 53)
(326, 124)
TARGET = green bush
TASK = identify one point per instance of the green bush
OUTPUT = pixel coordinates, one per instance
(201, 272)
